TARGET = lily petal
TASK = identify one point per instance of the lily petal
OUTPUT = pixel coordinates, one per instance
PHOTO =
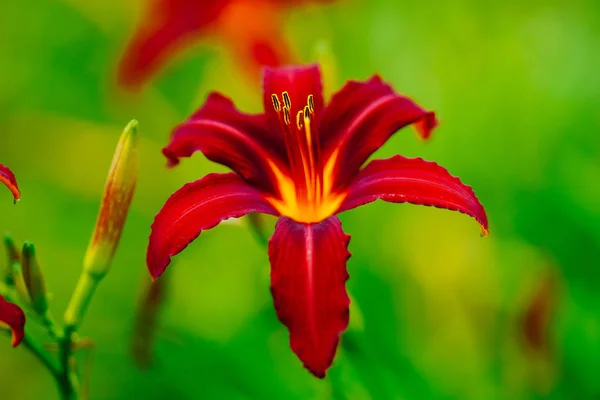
(199, 206)
(12, 315)
(298, 82)
(256, 41)
(308, 275)
(360, 118)
(168, 26)
(227, 136)
(8, 178)
(413, 180)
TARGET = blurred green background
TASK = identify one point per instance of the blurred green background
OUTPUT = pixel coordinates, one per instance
(438, 312)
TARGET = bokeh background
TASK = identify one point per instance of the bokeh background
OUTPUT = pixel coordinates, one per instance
(438, 312)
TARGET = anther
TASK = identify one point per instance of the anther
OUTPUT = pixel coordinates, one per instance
(286, 115)
(311, 103)
(300, 119)
(286, 100)
(276, 104)
(307, 113)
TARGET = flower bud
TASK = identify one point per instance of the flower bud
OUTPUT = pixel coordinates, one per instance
(19, 283)
(118, 193)
(34, 280)
(14, 256)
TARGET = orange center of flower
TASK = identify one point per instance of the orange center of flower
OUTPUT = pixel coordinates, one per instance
(306, 194)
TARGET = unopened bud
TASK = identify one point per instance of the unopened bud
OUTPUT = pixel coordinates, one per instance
(14, 256)
(34, 280)
(118, 193)
(19, 283)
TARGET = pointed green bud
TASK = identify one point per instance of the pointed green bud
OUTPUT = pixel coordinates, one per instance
(34, 280)
(13, 256)
(118, 193)
(19, 282)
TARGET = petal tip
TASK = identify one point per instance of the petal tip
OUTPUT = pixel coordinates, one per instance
(172, 160)
(425, 125)
(317, 373)
(156, 267)
(17, 338)
(484, 231)
(7, 177)
(12, 316)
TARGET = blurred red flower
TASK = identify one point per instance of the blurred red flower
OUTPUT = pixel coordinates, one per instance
(251, 27)
(303, 161)
(8, 179)
(12, 316)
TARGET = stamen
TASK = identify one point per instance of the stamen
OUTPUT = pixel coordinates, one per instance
(307, 113)
(286, 100)
(311, 192)
(300, 119)
(311, 103)
(311, 172)
(276, 104)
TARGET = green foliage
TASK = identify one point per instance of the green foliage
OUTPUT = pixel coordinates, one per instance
(516, 89)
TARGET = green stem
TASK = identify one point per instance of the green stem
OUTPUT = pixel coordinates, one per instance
(41, 354)
(62, 372)
(84, 291)
(67, 380)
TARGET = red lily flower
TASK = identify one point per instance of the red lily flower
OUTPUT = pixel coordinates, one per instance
(251, 27)
(8, 178)
(301, 160)
(12, 316)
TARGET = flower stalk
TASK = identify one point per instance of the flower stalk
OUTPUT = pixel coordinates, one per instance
(24, 280)
(118, 193)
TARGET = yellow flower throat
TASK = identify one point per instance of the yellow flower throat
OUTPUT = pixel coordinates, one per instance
(306, 193)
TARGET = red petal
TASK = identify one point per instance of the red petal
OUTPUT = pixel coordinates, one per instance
(256, 41)
(361, 118)
(239, 141)
(13, 316)
(298, 82)
(268, 52)
(308, 275)
(168, 26)
(8, 178)
(198, 206)
(413, 180)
